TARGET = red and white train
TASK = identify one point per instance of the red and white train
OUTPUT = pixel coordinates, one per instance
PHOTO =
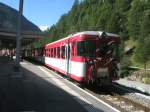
(88, 57)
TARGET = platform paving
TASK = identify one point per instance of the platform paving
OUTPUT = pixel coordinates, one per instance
(30, 93)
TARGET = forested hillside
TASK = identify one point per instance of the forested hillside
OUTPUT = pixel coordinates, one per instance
(128, 18)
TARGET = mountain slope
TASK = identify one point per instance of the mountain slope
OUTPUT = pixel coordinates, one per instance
(9, 18)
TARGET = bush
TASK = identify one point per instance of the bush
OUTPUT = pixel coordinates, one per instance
(146, 80)
(147, 75)
(125, 63)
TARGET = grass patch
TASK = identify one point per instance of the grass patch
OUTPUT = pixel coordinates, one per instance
(130, 43)
(146, 80)
(137, 64)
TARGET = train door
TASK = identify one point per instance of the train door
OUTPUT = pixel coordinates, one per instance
(68, 63)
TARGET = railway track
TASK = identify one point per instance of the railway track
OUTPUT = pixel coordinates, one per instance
(115, 97)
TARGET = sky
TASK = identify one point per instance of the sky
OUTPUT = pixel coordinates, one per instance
(43, 13)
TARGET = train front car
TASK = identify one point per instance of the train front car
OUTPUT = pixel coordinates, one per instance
(101, 53)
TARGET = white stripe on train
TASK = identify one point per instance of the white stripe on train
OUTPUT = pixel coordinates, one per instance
(76, 68)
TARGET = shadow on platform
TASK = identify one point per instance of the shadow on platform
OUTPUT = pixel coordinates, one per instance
(32, 93)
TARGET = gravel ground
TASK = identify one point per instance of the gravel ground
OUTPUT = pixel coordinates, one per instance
(139, 99)
(134, 84)
(136, 96)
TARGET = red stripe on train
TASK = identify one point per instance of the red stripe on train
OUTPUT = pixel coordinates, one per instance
(78, 59)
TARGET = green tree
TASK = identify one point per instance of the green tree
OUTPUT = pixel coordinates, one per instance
(142, 53)
(122, 7)
(134, 18)
(113, 25)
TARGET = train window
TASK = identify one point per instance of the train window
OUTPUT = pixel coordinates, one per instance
(37, 52)
(111, 49)
(115, 50)
(72, 49)
(58, 52)
(86, 48)
(68, 52)
(54, 52)
(44, 52)
(47, 52)
(104, 48)
(51, 52)
(63, 51)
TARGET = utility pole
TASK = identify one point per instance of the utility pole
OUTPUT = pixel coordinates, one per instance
(19, 36)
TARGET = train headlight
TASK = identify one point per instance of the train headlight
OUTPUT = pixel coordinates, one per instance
(90, 62)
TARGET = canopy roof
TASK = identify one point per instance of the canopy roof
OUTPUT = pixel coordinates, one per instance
(8, 38)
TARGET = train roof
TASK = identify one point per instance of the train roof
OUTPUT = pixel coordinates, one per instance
(97, 33)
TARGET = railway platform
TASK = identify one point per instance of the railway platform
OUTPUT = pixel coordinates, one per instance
(30, 93)
(37, 90)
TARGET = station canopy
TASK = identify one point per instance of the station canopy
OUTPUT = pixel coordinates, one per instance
(8, 38)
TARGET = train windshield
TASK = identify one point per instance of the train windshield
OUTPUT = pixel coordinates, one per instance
(86, 48)
(116, 50)
(112, 49)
